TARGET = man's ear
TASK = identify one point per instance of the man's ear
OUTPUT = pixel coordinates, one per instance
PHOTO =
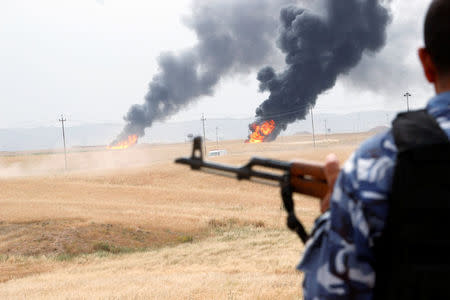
(428, 66)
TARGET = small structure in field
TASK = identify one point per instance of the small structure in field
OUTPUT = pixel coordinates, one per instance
(217, 153)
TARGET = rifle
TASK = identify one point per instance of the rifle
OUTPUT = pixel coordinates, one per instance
(296, 177)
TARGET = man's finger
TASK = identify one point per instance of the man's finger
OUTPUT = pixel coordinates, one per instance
(332, 170)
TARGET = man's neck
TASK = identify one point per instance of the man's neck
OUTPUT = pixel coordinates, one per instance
(443, 85)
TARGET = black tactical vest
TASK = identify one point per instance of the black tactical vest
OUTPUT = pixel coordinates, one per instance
(413, 254)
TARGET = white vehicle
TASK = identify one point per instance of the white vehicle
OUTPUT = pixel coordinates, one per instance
(217, 153)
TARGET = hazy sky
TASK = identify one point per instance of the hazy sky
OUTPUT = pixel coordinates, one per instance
(92, 60)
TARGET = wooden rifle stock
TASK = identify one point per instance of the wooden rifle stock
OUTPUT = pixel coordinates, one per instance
(308, 178)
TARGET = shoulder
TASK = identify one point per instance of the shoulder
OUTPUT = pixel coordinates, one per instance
(377, 146)
(369, 171)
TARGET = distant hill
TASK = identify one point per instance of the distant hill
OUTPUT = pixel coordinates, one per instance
(378, 129)
(17, 139)
(302, 132)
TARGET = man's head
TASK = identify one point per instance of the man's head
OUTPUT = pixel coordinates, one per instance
(435, 56)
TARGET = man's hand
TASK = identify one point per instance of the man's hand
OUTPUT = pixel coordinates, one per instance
(332, 170)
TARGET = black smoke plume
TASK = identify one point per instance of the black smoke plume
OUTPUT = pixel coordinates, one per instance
(234, 36)
(318, 49)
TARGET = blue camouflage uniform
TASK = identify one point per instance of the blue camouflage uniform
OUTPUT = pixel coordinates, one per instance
(339, 261)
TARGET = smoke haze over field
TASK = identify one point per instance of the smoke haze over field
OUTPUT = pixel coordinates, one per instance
(233, 37)
(318, 49)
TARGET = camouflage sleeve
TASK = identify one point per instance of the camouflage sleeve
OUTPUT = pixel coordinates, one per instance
(338, 260)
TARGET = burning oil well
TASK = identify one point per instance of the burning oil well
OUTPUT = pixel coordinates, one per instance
(130, 141)
(261, 132)
(318, 49)
(237, 37)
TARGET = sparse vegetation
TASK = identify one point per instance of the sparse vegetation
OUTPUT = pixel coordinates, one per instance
(227, 224)
(186, 239)
(65, 257)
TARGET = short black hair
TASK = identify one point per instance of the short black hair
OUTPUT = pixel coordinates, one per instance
(437, 34)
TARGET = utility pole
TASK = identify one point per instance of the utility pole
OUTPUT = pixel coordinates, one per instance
(326, 130)
(62, 120)
(359, 123)
(407, 95)
(203, 119)
(312, 122)
(217, 137)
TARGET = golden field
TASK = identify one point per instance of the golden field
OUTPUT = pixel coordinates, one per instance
(133, 225)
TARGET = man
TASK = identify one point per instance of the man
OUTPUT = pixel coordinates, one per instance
(340, 261)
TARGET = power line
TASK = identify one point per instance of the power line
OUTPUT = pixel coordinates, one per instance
(62, 120)
(217, 137)
(291, 112)
(203, 119)
(312, 122)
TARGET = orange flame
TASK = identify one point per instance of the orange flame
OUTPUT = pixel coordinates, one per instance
(261, 132)
(131, 141)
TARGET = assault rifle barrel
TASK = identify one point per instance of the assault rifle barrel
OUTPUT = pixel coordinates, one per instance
(242, 173)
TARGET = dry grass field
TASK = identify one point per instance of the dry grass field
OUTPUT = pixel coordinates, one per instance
(133, 225)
